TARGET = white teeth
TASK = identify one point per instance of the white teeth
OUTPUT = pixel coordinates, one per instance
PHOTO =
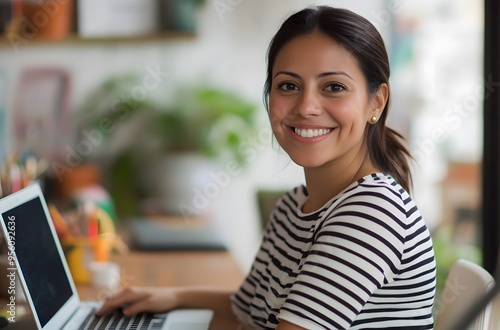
(309, 133)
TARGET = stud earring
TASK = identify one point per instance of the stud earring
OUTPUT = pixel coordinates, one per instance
(374, 119)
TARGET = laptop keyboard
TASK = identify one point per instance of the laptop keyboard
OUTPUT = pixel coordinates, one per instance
(118, 321)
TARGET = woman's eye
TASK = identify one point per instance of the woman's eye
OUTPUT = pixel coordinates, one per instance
(288, 87)
(335, 88)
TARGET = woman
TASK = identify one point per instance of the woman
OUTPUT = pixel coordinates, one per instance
(349, 250)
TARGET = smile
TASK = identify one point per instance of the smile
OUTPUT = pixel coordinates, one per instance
(310, 133)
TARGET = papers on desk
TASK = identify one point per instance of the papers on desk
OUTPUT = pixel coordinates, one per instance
(159, 235)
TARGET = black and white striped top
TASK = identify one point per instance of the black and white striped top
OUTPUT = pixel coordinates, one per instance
(364, 260)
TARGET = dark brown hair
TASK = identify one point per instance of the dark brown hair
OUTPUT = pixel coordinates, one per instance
(357, 35)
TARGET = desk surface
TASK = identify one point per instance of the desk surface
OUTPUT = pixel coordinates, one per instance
(186, 268)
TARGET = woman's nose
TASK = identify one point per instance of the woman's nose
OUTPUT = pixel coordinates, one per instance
(309, 104)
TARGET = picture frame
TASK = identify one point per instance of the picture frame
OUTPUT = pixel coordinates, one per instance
(41, 116)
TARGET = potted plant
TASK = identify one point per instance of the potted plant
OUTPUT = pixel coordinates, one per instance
(179, 15)
(207, 120)
(174, 146)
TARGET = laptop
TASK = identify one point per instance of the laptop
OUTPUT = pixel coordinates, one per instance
(37, 259)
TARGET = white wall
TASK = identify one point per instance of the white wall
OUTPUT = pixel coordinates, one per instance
(229, 50)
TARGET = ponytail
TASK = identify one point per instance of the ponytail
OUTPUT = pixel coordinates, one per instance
(388, 153)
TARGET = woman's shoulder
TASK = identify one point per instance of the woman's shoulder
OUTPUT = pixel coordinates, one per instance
(378, 192)
(294, 197)
(378, 185)
(373, 205)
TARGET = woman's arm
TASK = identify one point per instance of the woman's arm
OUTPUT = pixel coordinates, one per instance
(284, 325)
(215, 299)
(151, 299)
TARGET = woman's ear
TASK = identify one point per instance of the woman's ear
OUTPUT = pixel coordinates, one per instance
(378, 102)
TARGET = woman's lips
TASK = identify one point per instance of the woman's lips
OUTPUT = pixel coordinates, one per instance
(304, 134)
(311, 132)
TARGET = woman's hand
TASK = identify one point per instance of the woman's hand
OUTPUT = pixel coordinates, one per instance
(138, 299)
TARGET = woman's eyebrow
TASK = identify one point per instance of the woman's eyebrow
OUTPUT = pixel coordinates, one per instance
(287, 73)
(324, 74)
(321, 75)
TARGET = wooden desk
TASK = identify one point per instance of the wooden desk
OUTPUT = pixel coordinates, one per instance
(212, 268)
(183, 268)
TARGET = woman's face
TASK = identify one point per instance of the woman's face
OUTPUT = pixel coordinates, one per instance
(319, 105)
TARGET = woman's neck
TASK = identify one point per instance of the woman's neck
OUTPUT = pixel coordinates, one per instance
(324, 183)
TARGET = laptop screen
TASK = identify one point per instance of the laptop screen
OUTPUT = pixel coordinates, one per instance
(38, 258)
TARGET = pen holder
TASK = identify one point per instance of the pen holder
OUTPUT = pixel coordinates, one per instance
(102, 246)
(82, 251)
(78, 256)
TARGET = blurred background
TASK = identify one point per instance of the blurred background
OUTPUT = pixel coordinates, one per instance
(157, 106)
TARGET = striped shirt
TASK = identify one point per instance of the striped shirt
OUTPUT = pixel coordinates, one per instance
(364, 260)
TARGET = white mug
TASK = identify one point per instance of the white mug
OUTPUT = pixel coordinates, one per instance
(104, 275)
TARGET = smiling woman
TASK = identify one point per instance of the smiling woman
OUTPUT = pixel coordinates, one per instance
(349, 250)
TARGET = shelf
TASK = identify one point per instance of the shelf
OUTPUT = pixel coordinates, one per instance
(75, 39)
